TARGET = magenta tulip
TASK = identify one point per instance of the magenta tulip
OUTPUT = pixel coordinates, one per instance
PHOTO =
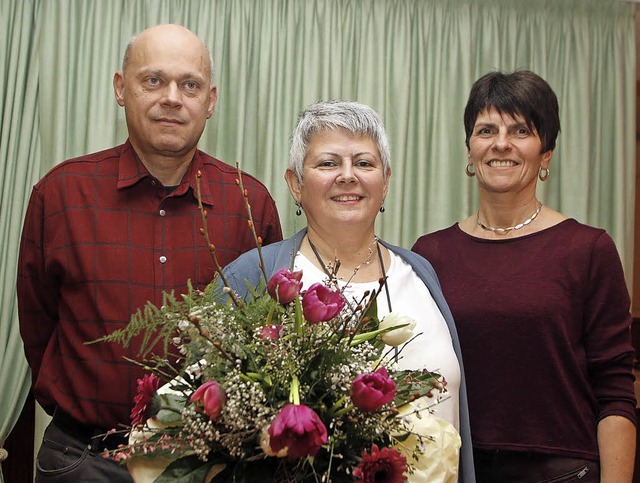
(284, 285)
(319, 303)
(299, 429)
(211, 397)
(371, 391)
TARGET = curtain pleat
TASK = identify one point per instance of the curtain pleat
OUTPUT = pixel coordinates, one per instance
(20, 164)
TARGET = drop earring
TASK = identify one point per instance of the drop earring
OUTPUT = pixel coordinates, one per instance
(299, 208)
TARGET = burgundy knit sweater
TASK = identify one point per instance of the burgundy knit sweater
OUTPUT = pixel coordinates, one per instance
(544, 327)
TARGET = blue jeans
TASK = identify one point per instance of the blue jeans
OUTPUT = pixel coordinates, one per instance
(66, 458)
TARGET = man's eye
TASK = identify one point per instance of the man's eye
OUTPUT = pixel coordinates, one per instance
(191, 85)
(153, 81)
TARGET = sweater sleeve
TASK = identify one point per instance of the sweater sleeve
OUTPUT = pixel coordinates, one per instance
(607, 335)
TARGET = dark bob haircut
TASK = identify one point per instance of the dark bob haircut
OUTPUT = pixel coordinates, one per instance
(521, 93)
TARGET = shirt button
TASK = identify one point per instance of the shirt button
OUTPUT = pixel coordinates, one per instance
(163, 259)
(162, 212)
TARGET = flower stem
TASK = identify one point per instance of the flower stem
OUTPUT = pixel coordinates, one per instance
(294, 391)
(270, 315)
(298, 316)
(344, 411)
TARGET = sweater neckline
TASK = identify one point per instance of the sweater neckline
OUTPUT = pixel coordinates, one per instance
(542, 232)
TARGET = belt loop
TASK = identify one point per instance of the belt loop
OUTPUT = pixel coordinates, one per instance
(94, 443)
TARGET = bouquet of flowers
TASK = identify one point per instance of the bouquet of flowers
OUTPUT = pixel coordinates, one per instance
(290, 385)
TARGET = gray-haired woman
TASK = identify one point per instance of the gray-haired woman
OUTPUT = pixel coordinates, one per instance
(339, 175)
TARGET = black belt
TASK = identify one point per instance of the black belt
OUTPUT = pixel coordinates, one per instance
(93, 436)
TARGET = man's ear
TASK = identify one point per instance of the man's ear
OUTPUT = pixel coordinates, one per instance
(213, 100)
(118, 87)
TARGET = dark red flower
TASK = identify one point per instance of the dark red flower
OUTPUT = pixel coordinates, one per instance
(299, 429)
(386, 464)
(371, 391)
(147, 388)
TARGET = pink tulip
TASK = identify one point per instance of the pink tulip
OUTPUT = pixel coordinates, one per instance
(299, 429)
(319, 303)
(271, 331)
(284, 285)
(211, 397)
(371, 391)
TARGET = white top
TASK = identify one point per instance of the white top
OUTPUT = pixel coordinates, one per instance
(432, 349)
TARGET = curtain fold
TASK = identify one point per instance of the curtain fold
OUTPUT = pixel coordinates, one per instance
(19, 169)
(413, 61)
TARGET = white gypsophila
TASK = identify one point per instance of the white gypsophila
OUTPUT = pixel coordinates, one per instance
(198, 432)
(244, 413)
(246, 404)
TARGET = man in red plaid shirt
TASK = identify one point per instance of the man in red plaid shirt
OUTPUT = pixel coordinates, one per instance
(107, 232)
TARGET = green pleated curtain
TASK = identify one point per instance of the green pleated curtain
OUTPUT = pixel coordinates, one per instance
(412, 60)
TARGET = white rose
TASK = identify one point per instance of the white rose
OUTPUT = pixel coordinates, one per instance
(399, 335)
(433, 446)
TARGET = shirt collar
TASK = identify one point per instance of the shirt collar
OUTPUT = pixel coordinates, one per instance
(189, 179)
(131, 170)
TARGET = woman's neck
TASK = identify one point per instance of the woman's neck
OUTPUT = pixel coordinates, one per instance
(499, 213)
(357, 257)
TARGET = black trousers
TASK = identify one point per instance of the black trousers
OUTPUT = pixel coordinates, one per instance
(526, 467)
(70, 453)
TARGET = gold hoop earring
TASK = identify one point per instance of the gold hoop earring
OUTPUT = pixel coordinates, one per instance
(468, 170)
(545, 176)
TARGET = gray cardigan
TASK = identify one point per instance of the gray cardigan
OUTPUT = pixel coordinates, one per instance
(281, 254)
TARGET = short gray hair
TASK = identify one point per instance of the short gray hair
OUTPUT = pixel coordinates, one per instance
(333, 114)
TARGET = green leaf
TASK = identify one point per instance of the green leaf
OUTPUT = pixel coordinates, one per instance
(360, 338)
(170, 408)
(189, 469)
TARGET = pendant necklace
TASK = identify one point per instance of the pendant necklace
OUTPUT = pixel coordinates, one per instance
(504, 231)
(366, 261)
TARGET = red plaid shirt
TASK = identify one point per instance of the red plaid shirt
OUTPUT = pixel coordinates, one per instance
(101, 238)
